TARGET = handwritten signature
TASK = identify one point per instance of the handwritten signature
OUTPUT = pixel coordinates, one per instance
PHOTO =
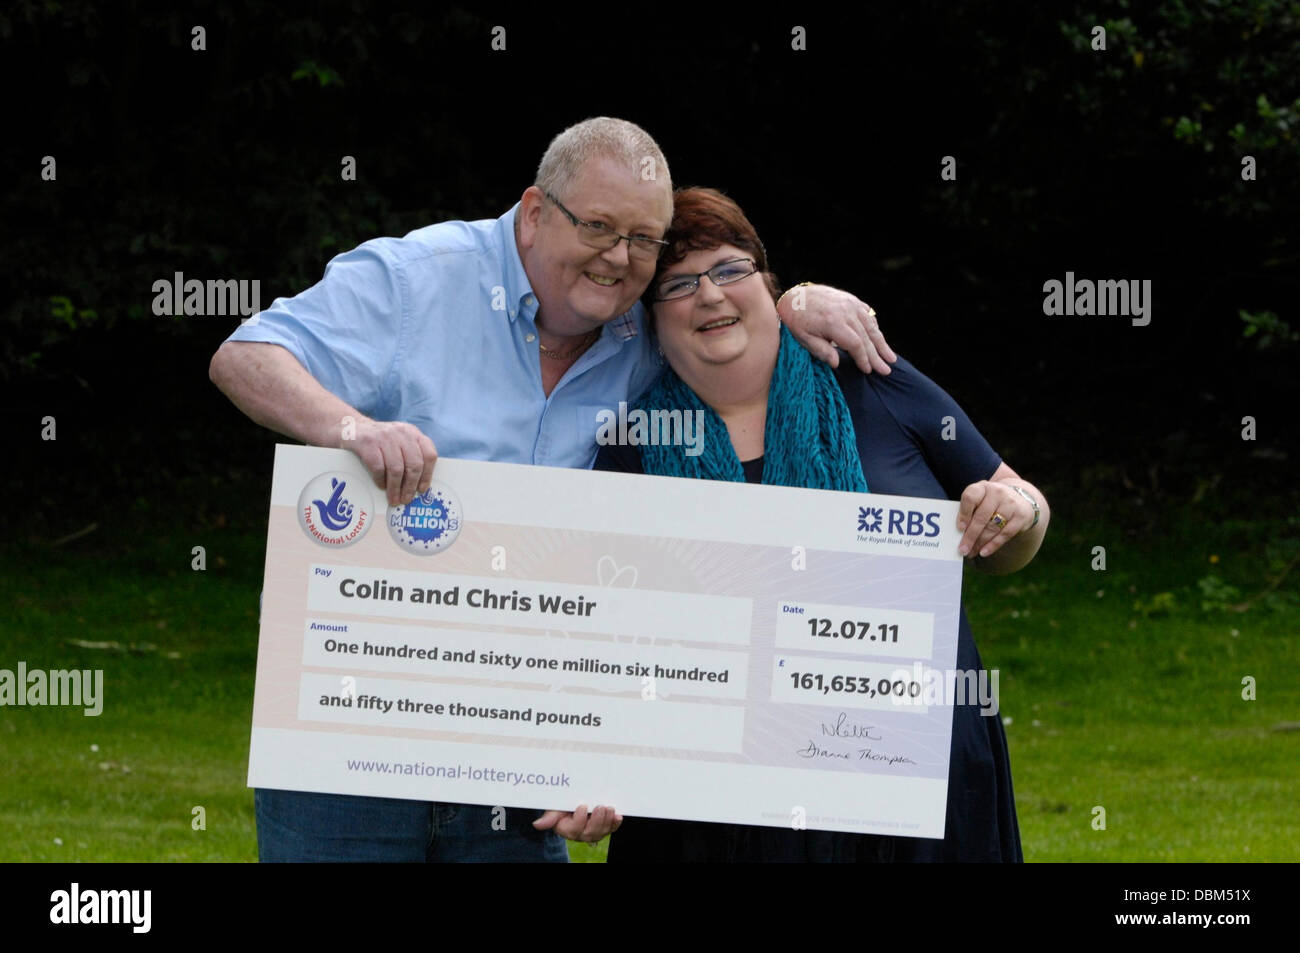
(812, 751)
(864, 754)
(843, 728)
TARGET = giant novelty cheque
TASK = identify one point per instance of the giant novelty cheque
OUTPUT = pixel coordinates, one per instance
(541, 637)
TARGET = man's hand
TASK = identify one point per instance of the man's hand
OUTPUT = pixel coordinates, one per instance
(580, 825)
(267, 383)
(399, 456)
(830, 317)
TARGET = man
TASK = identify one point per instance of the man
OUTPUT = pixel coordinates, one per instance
(503, 339)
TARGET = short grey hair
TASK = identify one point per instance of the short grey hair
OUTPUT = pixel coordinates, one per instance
(599, 138)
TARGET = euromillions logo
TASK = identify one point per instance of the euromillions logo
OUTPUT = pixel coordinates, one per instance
(869, 518)
(335, 510)
(429, 523)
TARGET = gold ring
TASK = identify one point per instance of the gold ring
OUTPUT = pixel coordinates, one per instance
(998, 520)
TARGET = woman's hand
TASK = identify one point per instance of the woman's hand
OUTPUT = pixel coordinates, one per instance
(996, 522)
(991, 513)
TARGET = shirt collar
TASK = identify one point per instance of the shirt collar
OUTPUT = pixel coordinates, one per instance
(518, 290)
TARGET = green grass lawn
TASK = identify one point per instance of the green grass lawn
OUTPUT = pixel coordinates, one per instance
(1122, 692)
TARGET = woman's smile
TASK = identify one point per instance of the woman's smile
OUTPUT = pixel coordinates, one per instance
(718, 325)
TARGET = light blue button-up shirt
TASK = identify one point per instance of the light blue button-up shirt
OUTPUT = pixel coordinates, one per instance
(438, 329)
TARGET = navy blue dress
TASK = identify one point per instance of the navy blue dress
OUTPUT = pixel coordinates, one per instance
(899, 421)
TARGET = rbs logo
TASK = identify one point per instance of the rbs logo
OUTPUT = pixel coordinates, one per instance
(916, 522)
(900, 522)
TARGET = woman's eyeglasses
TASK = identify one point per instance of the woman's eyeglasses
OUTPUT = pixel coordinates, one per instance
(724, 273)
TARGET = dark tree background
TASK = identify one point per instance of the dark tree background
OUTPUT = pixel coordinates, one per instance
(1122, 164)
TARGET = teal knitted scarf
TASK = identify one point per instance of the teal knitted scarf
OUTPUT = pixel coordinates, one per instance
(808, 440)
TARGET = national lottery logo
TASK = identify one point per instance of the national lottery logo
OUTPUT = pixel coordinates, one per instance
(335, 510)
(429, 523)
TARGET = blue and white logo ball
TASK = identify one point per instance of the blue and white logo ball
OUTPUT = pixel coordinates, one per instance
(429, 523)
(335, 509)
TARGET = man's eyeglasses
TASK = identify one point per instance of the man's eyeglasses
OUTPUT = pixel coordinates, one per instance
(724, 273)
(596, 235)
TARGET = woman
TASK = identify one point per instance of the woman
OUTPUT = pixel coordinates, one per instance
(794, 421)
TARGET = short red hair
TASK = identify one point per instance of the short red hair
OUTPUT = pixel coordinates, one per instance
(704, 219)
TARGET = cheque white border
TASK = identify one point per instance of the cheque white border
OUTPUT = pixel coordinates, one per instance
(752, 514)
(640, 787)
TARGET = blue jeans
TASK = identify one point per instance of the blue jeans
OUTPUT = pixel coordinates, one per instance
(303, 826)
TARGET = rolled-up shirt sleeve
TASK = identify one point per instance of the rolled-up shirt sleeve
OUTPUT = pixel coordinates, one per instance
(346, 329)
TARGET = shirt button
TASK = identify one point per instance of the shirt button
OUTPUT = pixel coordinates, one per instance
(529, 300)
(512, 312)
(530, 337)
